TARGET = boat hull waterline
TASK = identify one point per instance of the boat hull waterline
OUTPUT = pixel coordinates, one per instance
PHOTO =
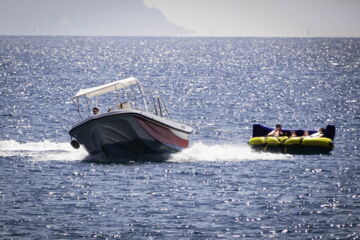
(129, 134)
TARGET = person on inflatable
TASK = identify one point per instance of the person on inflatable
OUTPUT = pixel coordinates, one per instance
(320, 133)
(276, 132)
(293, 134)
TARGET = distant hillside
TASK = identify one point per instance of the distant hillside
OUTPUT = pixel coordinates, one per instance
(84, 17)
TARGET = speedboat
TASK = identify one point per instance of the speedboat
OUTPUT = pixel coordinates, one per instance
(298, 144)
(129, 130)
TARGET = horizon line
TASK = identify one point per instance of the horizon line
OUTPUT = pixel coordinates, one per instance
(173, 36)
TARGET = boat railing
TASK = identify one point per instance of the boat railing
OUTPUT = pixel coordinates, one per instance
(160, 108)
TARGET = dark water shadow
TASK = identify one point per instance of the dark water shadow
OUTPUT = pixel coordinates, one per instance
(101, 158)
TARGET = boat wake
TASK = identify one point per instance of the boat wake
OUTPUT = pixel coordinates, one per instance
(41, 151)
(223, 152)
(52, 151)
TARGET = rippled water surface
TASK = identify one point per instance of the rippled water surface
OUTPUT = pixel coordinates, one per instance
(216, 189)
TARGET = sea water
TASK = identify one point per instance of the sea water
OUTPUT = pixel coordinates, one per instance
(218, 188)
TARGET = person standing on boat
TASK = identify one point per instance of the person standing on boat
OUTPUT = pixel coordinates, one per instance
(276, 132)
(95, 110)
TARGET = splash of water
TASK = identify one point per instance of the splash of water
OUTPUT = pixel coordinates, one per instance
(223, 152)
(52, 151)
(41, 151)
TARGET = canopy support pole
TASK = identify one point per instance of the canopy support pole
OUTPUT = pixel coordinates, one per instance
(77, 105)
(117, 98)
(87, 101)
(143, 96)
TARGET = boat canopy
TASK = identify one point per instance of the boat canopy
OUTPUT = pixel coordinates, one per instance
(109, 87)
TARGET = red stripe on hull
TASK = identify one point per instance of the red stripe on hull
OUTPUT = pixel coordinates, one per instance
(162, 134)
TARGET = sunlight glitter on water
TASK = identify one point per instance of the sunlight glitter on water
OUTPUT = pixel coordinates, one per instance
(218, 187)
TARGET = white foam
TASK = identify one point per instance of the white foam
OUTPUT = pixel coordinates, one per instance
(41, 151)
(223, 152)
(52, 151)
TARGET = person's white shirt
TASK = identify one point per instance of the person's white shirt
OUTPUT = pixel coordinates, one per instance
(317, 134)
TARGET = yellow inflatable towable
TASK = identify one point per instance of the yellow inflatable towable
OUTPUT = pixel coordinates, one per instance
(296, 145)
(292, 144)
